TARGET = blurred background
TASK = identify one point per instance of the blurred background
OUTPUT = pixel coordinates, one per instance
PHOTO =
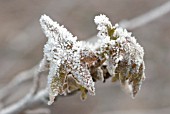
(21, 46)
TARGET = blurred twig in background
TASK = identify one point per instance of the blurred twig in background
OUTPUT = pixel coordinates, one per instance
(17, 81)
(147, 17)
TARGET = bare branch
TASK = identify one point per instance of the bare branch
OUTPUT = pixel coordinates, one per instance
(147, 17)
(22, 104)
(16, 82)
(142, 19)
(28, 102)
(39, 111)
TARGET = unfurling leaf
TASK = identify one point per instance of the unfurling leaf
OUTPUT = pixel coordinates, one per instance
(77, 65)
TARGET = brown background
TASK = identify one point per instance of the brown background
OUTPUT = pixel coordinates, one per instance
(21, 44)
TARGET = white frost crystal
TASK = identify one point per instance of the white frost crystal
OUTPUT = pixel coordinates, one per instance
(102, 23)
(75, 65)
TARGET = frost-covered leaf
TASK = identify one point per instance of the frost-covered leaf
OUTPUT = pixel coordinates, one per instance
(64, 54)
(83, 77)
(76, 65)
(124, 56)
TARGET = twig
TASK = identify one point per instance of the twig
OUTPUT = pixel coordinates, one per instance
(16, 82)
(143, 19)
(22, 104)
(39, 111)
(27, 102)
(131, 24)
(31, 100)
(147, 17)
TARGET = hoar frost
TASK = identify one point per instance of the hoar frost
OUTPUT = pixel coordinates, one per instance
(76, 65)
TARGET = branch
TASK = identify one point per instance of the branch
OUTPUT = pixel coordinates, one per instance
(27, 102)
(142, 19)
(16, 82)
(129, 24)
(39, 111)
(29, 98)
(147, 17)
(30, 101)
